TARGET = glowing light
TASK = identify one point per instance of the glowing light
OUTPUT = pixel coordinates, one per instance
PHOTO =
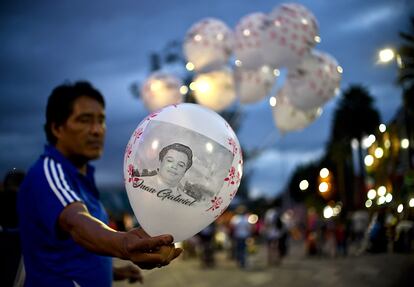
(388, 197)
(246, 32)
(304, 184)
(209, 147)
(382, 128)
(317, 39)
(276, 72)
(371, 194)
(192, 86)
(382, 190)
(272, 101)
(319, 111)
(368, 160)
(323, 187)
(381, 200)
(386, 55)
(387, 143)
(183, 90)
(202, 86)
(339, 69)
(368, 141)
(253, 218)
(324, 173)
(189, 66)
(411, 202)
(405, 143)
(368, 203)
(265, 69)
(238, 63)
(379, 152)
(198, 37)
(155, 144)
(328, 212)
(400, 208)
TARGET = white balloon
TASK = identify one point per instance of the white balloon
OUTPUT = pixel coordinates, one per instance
(208, 43)
(290, 35)
(248, 38)
(314, 81)
(160, 90)
(182, 167)
(253, 85)
(288, 118)
(215, 90)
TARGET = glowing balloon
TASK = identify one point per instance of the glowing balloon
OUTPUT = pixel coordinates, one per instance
(291, 33)
(160, 90)
(314, 81)
(288, 118)
(248, 37)
(215, 89)
(208, 43)
(182, 167)
(253, 85)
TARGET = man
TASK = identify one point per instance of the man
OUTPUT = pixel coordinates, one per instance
(65, 237)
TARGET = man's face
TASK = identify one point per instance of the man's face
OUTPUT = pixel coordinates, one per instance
(81, 137)
(173, 167)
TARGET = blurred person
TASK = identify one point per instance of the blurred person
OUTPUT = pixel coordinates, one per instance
(10, 249)
(65, 237)
(242, 230)
(207, 245)
(378, 234)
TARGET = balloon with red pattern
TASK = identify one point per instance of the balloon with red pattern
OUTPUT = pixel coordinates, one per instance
(314, 81)
(289, 35)
(208, 43)
(288, 118)
(253, 85)
(248, 40)
(161, 89)
(182, 167)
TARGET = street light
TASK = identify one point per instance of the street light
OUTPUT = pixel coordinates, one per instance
(386, 55)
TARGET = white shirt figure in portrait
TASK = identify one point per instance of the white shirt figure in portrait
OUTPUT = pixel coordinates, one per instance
(175, 159)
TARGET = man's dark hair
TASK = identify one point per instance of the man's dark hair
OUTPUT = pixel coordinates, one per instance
(60, 104)
(180, 148)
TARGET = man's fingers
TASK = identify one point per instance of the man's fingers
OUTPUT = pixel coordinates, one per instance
(149, 244)
(177, 252)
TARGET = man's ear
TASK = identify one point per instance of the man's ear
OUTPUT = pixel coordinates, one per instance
(56, 129)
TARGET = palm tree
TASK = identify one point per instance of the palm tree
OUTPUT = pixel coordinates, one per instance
(354, 118)
(406, 80)
(406, 58)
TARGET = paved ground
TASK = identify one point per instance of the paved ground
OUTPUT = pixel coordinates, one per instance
(297, 270)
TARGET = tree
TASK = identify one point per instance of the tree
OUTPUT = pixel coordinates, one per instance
(354, 118)
(405, 78)
(406, 58)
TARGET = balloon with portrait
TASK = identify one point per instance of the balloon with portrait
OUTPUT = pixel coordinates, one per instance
(208, 43)
(182, 167)
(253, 85)
(314, 81)
(160, 90)
(215, 89)
(288, 118)
(248, 40)
(289, 35)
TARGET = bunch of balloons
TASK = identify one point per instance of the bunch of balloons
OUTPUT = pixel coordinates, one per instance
(243, 64)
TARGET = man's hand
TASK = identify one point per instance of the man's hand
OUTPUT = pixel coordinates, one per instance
(149, 252)
(130, 272)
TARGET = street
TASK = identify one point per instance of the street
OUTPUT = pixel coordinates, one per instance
(296, 270)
